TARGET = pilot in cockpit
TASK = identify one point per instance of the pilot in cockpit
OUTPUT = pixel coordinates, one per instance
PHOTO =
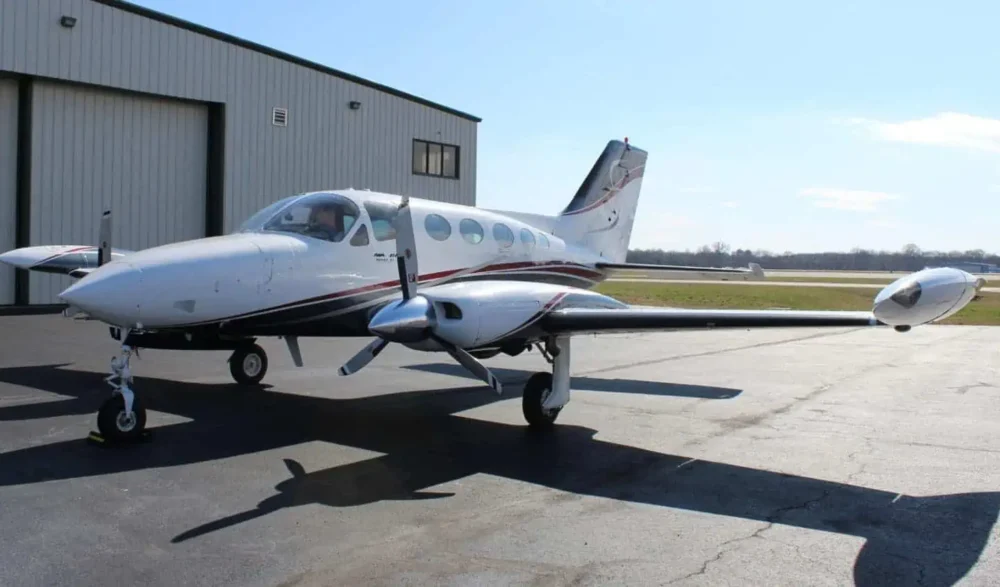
(328, 219)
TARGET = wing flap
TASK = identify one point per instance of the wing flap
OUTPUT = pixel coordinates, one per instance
(603, 321)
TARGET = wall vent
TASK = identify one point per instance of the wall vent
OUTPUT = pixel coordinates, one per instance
(279, 117)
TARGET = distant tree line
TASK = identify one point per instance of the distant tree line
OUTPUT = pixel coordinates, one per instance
(720, 254)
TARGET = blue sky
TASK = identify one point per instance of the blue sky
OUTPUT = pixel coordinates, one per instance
(770, 124)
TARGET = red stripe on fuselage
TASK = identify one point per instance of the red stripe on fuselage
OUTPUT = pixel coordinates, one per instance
(553, 267)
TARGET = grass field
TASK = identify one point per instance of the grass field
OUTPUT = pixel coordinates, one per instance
(984, 311)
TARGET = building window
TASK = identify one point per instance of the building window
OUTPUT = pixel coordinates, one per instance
(437, 159)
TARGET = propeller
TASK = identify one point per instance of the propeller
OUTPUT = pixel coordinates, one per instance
(411, 319)
(104, 247)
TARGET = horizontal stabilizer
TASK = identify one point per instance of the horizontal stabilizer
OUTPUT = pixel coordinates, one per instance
(652, 271)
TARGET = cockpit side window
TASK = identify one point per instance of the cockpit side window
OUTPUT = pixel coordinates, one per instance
(324, 216)
(360, 237)
(383, 216)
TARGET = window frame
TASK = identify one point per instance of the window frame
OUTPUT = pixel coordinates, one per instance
(424, 170)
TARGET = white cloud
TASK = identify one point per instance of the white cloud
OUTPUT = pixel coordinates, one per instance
(841, 199)
(948, 129)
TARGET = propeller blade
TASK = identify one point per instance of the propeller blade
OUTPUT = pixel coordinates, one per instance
(406, 250)
(104, 246)
(472, 364)
(364, 356)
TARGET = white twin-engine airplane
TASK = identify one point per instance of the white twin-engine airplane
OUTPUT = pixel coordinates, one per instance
(345, 263)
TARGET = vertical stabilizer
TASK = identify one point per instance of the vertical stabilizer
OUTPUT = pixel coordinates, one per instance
(601, 214)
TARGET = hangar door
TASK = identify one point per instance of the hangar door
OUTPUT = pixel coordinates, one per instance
(8, 183)
(145, 158)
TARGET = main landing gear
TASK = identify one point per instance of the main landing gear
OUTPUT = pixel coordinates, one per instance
(546, 394)
(248, 364)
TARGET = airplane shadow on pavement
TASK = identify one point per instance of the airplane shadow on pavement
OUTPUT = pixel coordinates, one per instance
(925, 541)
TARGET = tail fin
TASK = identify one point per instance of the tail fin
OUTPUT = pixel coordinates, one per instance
(601, 214)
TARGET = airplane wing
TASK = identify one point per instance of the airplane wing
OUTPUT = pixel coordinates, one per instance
(752, 272)
(605, 321)
(73, 260)
(923, 297)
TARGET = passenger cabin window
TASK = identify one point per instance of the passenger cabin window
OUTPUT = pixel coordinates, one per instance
(543, 240)
(437, 159)
(437, 226)
(382, 216)
(503, 235)
(527, 238)
(471, 231)
(325, 216)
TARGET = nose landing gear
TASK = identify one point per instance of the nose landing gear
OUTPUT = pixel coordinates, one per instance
(122, 418)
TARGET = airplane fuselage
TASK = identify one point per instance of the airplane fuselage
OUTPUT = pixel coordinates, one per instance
(260, 281)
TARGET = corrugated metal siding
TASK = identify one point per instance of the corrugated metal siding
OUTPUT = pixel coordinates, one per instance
(325, 145)
(91, 149)
(8, 183)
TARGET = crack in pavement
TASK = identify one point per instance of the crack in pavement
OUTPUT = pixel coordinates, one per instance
(731, 544)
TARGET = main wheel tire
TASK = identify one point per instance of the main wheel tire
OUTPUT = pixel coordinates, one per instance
(536, 390)
(115, 426)
(248, 365)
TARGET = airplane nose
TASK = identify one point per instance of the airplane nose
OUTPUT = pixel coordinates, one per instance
(108, 294)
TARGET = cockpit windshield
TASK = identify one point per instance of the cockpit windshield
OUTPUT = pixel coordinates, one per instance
(324, 215)
(256, 222)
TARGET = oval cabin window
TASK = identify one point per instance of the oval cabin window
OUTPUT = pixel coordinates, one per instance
(503, 235)
(543, 240)
(437, 226)
(471, 231)
(527, 238)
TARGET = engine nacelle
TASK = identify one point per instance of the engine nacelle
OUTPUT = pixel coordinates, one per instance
(474, 314)
(926, 296)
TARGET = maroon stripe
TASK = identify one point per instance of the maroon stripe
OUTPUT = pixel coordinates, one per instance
(632, 176)
(552, 267)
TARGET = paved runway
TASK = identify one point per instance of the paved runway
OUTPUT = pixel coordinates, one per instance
(782, 457)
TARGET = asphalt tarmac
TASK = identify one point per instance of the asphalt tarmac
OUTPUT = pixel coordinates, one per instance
(780, 457)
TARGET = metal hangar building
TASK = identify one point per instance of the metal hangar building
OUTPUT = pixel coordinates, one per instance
(183, 132)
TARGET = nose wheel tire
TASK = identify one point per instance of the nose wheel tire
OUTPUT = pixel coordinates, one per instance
(117, 426)
(536, 390)
(248, 365)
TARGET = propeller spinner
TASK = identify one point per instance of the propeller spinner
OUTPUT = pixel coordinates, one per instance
(412, 319)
